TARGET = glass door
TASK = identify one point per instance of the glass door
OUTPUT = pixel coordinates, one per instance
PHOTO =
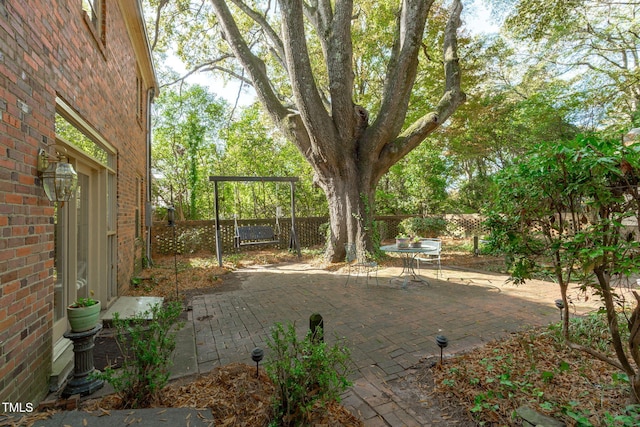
(72, 251)
(82, 237)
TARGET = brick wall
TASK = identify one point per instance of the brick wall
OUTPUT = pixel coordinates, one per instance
(46, 50)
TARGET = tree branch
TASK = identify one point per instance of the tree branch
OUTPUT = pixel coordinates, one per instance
(401, 72)
(451, 99)
(156, 30)
(276, 42)
(596, 354)
(201, 67)
(254, 66)
(305, 91)
(230, 72)
(339, 54)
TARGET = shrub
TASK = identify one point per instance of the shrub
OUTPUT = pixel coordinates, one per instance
(307, 374)
(147, 346)
(424, 227)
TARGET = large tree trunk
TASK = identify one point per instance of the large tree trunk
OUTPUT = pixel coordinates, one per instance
(350, 199)
(348, 154)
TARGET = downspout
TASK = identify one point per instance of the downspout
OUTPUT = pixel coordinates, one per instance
(148, 208)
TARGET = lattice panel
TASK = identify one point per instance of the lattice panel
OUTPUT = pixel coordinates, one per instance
(195, 236)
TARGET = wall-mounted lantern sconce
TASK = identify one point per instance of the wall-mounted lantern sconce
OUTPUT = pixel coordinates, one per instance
(58, 177)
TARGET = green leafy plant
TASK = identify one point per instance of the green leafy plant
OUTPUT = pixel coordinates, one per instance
(581, 418)
(425, 227)
(308, 374)
(535, 367)
(561, 209)
(84, 302)
(631, 417)
(147, 346)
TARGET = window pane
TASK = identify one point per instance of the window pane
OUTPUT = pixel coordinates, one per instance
(59, 297)
(111, 202)
(89, 6)
(74, 136)
(82, 253)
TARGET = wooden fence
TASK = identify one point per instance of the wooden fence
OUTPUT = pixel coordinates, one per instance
(195, 236)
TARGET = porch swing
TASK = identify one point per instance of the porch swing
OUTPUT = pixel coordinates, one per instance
(251, 235)
(248, 235)
(256, 234)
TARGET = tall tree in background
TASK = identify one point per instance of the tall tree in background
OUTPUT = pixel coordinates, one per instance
(511, 109)
(595, 43)
(254, 148)
(304, 60)
(186, 125)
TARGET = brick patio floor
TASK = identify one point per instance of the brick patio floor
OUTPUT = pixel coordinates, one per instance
(388, 329)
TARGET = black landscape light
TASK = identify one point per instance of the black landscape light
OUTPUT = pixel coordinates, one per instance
(560, 305)
(442, 342)
(256, 355)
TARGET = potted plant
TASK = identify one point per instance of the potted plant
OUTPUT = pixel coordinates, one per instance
(416, 242)
(402, 241)
(83, 314)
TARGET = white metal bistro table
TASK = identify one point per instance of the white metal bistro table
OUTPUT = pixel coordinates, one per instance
(408, 261)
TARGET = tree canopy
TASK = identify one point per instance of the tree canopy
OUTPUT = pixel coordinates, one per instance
(555, 69)
(313, 66)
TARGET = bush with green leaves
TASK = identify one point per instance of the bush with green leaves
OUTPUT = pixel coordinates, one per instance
(431, 226)
(147, 346)
(561, 208)
(307, 373)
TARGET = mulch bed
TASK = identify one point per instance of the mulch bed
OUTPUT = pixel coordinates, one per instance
(236, 397)
(533, 369)
(106, 352)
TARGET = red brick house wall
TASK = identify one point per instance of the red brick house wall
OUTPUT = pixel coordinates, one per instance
(48, 49)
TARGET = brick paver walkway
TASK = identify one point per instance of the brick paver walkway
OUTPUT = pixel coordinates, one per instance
(388, 329)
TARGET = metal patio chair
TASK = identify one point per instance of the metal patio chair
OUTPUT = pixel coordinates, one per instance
(431, 257)
(359, 260)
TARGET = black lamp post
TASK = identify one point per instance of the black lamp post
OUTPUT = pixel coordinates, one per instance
(171, 216)
(171, 222)
(560, 305)
(256, 355)
(442, 342)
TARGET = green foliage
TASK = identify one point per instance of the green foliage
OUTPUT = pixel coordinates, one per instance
(307, 373)
(254, 148)
(147, 346)
(417, 184)
(186, 145)
(528, 368)
(591, 37)
(630, 417)
(423, 227)
(194, 139)
(562, 208)
(84, 302)
(325, 230)
(548, 207)
(592, 331)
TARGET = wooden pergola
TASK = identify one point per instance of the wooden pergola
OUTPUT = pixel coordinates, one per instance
(293, 238)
